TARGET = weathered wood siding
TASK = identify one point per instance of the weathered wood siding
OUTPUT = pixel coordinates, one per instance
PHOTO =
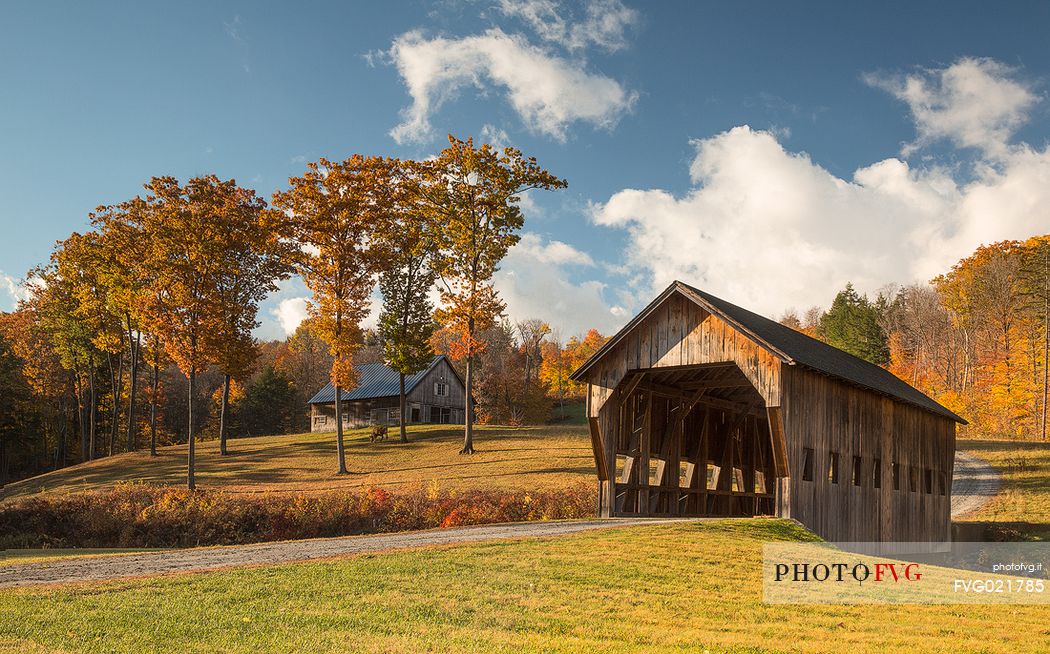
(827, 415)
(423, 393)
(679, 332)
(815, 411)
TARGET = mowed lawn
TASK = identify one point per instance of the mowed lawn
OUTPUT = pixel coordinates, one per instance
(688, 587)
(506, 458)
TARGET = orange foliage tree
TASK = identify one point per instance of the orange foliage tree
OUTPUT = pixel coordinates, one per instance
(472, 194)
(335, 212)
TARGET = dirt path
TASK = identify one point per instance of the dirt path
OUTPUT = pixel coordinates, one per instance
(209, 558)
(974, 484)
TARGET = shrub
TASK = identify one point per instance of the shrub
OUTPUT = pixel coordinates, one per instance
(138, 515)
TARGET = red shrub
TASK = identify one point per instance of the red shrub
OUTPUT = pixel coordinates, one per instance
(137, 515)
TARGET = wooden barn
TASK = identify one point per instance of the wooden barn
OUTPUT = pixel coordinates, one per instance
(434, 395)
(698, 407)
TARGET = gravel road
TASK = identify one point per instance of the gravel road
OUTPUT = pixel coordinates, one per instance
(98, 568)
(974, 484)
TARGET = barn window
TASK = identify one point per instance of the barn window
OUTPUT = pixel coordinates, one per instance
(833, 467)
(738, 481)
(760, 482)
(927, 481)
(942, 483)
(913, 479)
(876, 473)
(712, 476)
(807, 464)
(896, 476)
(857, 471)
(440, 389)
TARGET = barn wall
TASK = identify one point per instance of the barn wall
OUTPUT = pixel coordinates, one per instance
(423, 393)
(827, 415)
(681, 333)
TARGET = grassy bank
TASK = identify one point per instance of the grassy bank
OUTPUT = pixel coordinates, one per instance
(674, 587)
(1021, 509)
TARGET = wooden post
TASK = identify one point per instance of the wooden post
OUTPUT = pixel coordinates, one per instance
(643, 458)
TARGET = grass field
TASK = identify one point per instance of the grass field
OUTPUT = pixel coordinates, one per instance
(1023, 501)
(506, 458)
(674, 587)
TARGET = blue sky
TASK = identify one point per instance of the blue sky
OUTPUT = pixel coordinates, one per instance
(768, 152)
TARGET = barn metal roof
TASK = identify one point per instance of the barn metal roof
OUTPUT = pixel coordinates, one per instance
(374, 380)
(792, 347)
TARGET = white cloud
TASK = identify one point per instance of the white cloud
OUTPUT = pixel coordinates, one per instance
(604, 24)
(14, 290)
(534, 280)
(290, 313)
(547, 91)
(974, 103)
(494, 136)
(771, 229)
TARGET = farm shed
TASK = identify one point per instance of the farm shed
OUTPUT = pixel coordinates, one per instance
(434, 395)
(698, 407)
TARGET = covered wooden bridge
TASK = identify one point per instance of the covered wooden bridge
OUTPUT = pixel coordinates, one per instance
(701, 408)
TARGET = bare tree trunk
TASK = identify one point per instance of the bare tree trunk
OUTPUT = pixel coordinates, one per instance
(92, 408)
(222, 414)
(153, 411)
(340, 452)
(132, 390)
(468, 418)
(81, 421)
(1046, 345)
(116, 376)
(63, 431)
(404, 432)
(191, 483)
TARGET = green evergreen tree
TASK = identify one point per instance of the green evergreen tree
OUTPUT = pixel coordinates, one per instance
(406, 322)
(853, 324)
(269, 404)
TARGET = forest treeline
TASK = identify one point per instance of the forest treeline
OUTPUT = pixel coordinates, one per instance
(974, 338)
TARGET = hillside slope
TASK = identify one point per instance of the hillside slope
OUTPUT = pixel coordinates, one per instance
(507, 458)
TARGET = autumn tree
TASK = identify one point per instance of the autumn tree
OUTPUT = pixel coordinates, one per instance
(83, 262)
(187, 228)
(258, 256)
(305, 359)
(406, 321)
(472, 193)
(532, 332)
(127, 275)
(335, 210)
(1034, 281)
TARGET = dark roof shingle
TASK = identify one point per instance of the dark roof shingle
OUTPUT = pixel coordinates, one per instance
(373, 380)
(795, 347)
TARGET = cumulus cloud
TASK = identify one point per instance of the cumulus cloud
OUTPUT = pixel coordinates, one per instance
(604, 24)
(12, 290)
(535, 280)
(974, 103)
(548, 92)
(290, 313)
(771, 229)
